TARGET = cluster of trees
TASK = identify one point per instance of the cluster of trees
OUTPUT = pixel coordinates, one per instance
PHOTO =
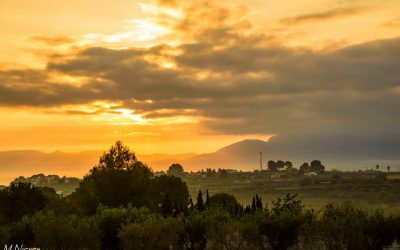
(121, 205)
(223, 173)
(283, 225)
(377, 168)
(176, 169)
(279, 165)
(120, 179)
(49, 180)
(315, 166)
(63, 185)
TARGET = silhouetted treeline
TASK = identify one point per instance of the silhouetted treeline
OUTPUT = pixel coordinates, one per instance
(121, 205)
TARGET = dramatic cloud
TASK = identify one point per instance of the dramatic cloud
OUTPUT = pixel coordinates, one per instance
(233, 80)
(244, 88)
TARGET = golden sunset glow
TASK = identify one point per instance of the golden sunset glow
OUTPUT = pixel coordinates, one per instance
(192, 76)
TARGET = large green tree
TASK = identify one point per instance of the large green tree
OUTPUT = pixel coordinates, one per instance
(117, 180)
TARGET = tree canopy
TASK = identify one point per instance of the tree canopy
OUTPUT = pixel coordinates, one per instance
(20, 199)
(175, 169)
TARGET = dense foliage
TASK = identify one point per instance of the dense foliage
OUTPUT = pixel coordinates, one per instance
(121, 205)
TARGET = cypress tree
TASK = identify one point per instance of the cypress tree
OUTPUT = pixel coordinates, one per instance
(200, 201)
(191, 203)
(207, 200)
(253, 205)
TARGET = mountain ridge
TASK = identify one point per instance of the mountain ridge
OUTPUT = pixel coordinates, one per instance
(245, 155)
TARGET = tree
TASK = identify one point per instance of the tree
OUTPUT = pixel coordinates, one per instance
(388, 168)
(377, 167)
(223, 173)
(191, 205)
(288, 164)
(341, 227)
(64, 232)
(316, 166)
(155, 232)
(272, 166)
(118, 179)
(210, 172)
(20, 232)
(200, 201)
(225, 201)
(194, 235)
(259, 204)
(253, 205)
(175, 169)
(119, 157)
(55, 202)
(304, 168)
(280, 164)
(380, 231)
(20, 199)
(283, 226)
(207, 199)
(176, 189)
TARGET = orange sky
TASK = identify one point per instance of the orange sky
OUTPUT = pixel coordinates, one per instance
(77, 75)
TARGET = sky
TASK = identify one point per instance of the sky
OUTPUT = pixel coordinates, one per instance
(192, 76)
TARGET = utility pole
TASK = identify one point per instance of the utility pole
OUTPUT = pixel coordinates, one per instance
(261, 161)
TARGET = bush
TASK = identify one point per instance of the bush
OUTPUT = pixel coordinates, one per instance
(282, 226)
(155, 233)
(64, 232)
(195, 231)
(341, 227)
(111, 220)
(225, 201)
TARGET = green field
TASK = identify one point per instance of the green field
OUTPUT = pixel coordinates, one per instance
(315, 192)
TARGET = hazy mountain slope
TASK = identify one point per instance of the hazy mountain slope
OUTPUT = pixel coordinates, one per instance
(29, 162)
(244, 154)
(159, 162)
(339, 151)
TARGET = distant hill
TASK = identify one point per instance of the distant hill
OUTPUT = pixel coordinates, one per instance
(340, 152)
(162, 161)
(29, 162)
(244, 155)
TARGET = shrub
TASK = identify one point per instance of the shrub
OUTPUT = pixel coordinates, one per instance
(155, 233)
